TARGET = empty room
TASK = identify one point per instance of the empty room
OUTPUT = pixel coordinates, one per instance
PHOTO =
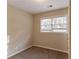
(38, 29)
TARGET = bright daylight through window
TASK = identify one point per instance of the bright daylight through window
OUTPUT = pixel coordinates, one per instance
(56, 24)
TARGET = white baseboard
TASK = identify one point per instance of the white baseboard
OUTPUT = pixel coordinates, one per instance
(18, 52)
(36, 46)
(51, 48)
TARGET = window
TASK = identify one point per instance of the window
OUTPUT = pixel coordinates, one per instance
(57, 24)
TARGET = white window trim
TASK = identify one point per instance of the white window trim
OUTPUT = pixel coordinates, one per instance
(51, 30)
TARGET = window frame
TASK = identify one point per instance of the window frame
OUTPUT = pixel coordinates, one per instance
(51, 17)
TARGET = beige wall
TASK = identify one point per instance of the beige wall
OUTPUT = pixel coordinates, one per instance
(19, 30)
(51, 40)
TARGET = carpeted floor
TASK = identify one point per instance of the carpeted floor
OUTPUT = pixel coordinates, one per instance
(40, 53)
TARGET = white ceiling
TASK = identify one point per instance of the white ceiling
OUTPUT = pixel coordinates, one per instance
(37, 6)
